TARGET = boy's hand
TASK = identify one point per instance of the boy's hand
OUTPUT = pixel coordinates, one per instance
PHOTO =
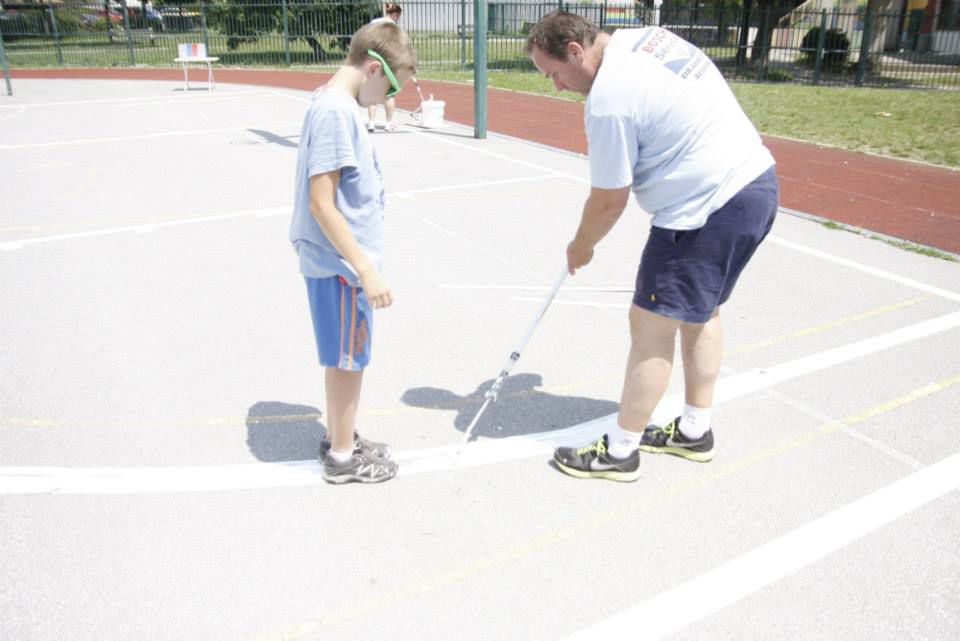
(376, 289)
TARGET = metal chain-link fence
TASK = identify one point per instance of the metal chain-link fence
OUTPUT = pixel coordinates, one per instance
(773, 44)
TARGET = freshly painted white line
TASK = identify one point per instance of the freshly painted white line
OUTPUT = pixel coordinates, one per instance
(142, 228)
(537, 288)
(161, 134)
(584, 303)
(267, 212)
(120, 480)
(846, 262)
(726, 584)
(45, 165)
(19, 109)
(149, 99)
(820, 417)
(491, 183)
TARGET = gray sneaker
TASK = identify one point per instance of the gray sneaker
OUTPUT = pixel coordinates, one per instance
(361, 468)
(360, 444)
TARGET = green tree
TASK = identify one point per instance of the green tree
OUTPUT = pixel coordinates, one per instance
(324, 25)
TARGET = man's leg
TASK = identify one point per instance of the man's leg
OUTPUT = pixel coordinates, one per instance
(652, 344)
(701, 346)
(343, 399)
(615, 455)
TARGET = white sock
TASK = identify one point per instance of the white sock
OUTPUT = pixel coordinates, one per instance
(621, 443)
(695, 421)
(340, 457)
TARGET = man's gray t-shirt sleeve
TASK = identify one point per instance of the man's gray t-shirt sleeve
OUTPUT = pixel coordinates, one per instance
(331, 147)
(613, 142)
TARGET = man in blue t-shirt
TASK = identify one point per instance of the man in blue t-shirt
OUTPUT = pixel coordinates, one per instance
(337, 232)
(661, 123)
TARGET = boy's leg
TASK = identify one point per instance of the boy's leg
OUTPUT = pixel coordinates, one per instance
(343, 399)
(342, 324)
(371, 117)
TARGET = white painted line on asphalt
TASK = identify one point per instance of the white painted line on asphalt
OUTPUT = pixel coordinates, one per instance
(491, 183)
(18, 109)
(45, 165)
(867, 440)
(267, 212)
(846, 262)
(535, 288)
(726, 584)
(121, 480)
(583, 303)
(143, 228)
(160, 134)
(149, 99)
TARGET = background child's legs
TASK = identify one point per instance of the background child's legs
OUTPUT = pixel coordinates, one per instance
(389, 106)
(372, 114)
(343, 399)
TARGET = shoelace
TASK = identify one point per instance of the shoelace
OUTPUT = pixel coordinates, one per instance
(662, 434)
(597, 446)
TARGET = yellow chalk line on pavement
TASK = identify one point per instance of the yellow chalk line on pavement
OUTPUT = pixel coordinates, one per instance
(582, 526)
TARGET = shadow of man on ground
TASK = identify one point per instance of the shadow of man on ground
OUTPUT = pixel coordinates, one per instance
(519, 409)
(283, 432)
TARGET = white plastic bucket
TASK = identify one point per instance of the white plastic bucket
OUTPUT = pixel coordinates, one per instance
(431, 112)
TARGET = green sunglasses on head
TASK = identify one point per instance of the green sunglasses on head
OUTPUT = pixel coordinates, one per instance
(394, 85)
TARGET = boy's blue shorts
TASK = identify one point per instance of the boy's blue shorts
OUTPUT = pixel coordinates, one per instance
(342, 322)
(686, 275)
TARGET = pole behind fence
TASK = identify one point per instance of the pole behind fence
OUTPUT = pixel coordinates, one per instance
(203, 25)
(56, 34)
(479, 68)
(6, 67)
(822, 36)
(463, 34)
(864, 47)
(286, 34)
(126, 28)
(767, 35)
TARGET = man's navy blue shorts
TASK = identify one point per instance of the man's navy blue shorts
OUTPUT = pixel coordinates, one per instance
(687, 275)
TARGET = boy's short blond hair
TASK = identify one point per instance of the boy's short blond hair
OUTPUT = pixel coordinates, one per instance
(388, 40)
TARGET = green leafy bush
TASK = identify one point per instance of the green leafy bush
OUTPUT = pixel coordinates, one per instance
(836, 48)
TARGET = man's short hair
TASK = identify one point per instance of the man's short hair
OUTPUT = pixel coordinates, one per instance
(388, 40)
(559, 28)
(393, 7)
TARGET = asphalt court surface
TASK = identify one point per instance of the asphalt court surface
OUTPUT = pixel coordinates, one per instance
(162, 405)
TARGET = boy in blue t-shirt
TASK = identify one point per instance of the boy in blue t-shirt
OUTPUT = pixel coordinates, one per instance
(337, 231)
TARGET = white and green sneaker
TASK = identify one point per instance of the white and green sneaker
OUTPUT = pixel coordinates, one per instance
(593, 461)
(670, 440)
